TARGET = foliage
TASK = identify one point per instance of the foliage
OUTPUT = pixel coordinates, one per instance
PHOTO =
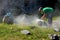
(12, 32)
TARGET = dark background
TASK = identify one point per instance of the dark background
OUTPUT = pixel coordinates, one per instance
(17, 7)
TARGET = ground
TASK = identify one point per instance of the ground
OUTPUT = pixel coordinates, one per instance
(13, 32)
(56, 21)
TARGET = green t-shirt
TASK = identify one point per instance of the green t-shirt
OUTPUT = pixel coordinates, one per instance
(47, 10)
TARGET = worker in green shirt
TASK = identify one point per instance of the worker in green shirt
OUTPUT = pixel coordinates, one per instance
(46, 12)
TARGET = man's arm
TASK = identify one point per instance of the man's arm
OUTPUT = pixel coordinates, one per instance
(43, 17)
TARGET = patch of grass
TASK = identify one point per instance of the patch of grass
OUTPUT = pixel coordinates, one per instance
(58, 17)
(12, 32)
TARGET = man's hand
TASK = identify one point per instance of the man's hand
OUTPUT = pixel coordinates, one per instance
(43, 17)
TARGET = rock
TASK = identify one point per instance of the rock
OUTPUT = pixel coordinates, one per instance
(54, 37)
(8, 19)
(42, 23)
(39, 22)
(25, 32)
(56, 29)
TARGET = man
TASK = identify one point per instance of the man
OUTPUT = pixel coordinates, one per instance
(47, 8)
(47, 11)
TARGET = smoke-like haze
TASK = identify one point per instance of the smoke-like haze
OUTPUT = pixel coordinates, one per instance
(27, 20)
(7, 5)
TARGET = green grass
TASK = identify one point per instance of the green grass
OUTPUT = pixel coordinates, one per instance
(12, 32)
(58, 17)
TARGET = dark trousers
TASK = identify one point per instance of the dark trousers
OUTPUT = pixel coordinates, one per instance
(49, 17)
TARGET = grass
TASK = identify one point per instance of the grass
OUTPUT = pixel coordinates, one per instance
(58, 17)
(12, 32)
